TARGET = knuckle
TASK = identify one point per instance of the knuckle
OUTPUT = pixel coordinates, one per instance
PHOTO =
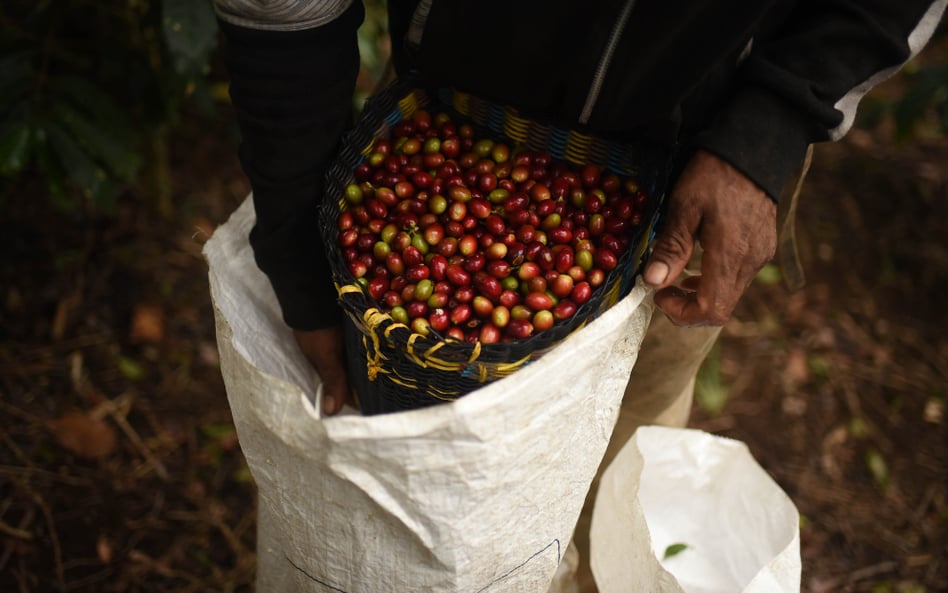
(719, 314)
(675, 243)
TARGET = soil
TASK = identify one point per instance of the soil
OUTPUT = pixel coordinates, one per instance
(120, 470)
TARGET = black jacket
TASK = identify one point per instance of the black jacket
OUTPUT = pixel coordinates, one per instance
(753, 81)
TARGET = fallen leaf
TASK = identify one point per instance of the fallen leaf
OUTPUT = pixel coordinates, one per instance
(830, 452)
(674, 550)
(148, 324)
(131, 369)
(934, 411)
(83, 435)
(878, 468)
(65, 312)
(203, 229)
(797, 369)
(103, 549)
(207, 354)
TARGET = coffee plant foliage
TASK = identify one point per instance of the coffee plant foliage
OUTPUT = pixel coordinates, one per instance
(85, 87)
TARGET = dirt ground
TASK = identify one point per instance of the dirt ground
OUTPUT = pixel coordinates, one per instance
(120, 470)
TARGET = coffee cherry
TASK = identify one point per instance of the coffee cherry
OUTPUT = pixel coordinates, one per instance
(454, 234)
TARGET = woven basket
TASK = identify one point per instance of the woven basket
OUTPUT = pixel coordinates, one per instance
(392, 368)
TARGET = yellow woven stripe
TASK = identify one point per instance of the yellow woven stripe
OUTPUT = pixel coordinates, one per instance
(408, 104)
(398, 381)
(344, 290)
(373, 363)
(444, 365)
(577, 147)
(505, 368)
(369, 148)
(374, 318)
(402, 380)
(443, 397)
(515, 126)
(388, 330)
(475, 353)
(440, 363)
(411, 350)
(462, 102)
(433, 349)
(434, 390)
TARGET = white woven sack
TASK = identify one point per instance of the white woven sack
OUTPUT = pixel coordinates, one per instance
(681, 486)
(479, 495)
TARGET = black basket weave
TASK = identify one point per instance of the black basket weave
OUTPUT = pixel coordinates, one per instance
(392, 368)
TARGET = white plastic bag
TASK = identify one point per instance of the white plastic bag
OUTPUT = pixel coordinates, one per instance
(479, 495)
(679, 486)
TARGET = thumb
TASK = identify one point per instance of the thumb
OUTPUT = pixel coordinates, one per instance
(674, 246)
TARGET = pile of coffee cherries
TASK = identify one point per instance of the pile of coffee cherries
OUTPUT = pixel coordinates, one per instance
(464, 236)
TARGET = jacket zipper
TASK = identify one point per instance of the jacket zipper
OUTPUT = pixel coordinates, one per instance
(416, 28)
(604, 62)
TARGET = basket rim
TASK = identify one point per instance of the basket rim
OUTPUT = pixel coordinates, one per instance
(365, 312)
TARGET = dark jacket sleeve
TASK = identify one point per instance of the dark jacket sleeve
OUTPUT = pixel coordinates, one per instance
(292, 91)
(802, 85)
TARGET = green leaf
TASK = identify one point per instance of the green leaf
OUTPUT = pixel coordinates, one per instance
(15, 77)
(858, 428)
(15, 147)
(769, 275)
(711, 393)
(190, 32)
(943, 116)
(924, 88)
(218, 431)
(242, 475)
(101, 142)
(90, 99)
(77, 164)
(130, 368)
(878, 468)
(674, 550)
(52, 171)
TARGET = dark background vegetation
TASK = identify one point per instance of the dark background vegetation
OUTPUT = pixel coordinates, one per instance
(119, 466)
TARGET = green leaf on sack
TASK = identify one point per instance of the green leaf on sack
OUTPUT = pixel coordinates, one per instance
(190, 32)
(674, 550)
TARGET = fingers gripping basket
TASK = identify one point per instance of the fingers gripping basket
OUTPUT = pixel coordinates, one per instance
(393, 368)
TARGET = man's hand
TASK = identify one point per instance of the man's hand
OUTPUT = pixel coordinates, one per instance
(325, 349)
(735, 223)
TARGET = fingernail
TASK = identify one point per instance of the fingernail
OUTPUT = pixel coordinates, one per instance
(329, 404)
(655, 273)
